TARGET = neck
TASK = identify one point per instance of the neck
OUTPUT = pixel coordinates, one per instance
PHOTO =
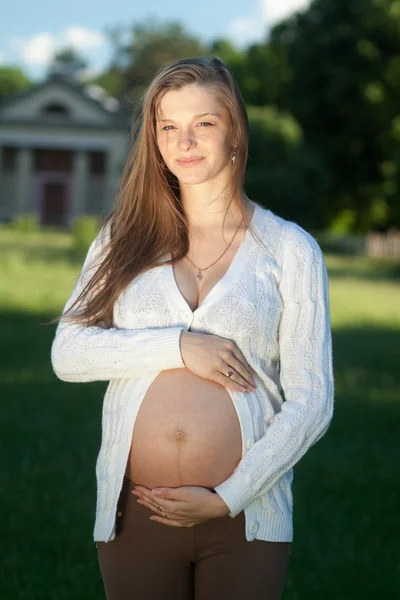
(207, 209)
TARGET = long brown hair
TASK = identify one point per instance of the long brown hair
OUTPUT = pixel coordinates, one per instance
(148, 219)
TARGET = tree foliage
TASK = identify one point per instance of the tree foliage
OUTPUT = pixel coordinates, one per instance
(283, 173)
(12, 81)
(147, 47)
(344, 90)
(335, 68)
(68, 62)
(323, 93)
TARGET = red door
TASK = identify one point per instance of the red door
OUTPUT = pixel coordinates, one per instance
(54, 204)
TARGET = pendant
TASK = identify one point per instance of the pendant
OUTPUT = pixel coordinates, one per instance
(199, 276)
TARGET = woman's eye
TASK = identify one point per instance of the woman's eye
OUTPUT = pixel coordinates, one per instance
(203, 123)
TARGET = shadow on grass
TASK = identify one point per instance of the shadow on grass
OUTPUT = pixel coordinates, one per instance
(45, 254)
(346, 487)
(362, 267)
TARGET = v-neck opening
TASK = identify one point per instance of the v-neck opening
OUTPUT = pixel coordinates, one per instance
(234, 266)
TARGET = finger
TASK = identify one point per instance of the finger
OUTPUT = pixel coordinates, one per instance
(236, 376)
(142, 496)
(232, 348)
(169, 494)
(168, 505)
(150, 506)
(242, 360)
(153, 507)
(224, 366)
(242, 370)
(164, 512)
(146, 494)
(165, 521)
(227, 382)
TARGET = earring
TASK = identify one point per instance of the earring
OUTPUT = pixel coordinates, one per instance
(234, 157)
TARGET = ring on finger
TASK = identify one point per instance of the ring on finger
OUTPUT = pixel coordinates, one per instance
(160, 508)
(230, 372)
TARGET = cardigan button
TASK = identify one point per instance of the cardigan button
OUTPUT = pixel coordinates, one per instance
(270, 421)
(119, 514)
(254, 527)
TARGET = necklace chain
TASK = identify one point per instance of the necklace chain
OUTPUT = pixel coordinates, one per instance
(199, 274)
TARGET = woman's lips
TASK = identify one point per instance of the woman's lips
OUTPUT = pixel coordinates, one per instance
(189, 163)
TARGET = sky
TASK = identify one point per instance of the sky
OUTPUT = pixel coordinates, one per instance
(32, 30)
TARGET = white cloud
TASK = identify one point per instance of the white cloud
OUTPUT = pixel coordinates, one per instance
(39, 49)
(276, 10)
(253, 27)
(244, 30)
(82, 38)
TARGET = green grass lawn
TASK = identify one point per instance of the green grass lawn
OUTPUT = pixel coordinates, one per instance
(346, 526)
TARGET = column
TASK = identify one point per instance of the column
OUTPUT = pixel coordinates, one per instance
(112, 179)
(2, 189)
(80, 172)
(24, 180)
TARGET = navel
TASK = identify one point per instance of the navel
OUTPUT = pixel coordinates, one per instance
(180, 435)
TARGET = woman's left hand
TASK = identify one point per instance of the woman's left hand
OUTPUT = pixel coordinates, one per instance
(185, 506)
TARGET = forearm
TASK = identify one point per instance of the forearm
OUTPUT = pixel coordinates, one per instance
(91, 353)
(306, 375)
(83, 354)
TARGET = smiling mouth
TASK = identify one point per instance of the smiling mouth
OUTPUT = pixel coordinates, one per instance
(188, 162)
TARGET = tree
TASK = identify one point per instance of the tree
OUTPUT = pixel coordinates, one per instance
(283, 173)
(12, 81)
(68, 62)
(150, 46)
(267, 74)
(344, 90)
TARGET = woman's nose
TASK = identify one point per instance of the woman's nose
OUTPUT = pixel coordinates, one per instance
(186, 139)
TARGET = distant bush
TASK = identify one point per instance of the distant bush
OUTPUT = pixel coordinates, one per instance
(27, 223)
(84, 229)
(342, 243)
(344, 221)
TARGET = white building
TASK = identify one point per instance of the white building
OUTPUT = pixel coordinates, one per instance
(62, 150)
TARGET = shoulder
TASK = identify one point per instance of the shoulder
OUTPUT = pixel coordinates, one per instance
(101, 240)
(294, 244)
(98, 247)
(104, 235)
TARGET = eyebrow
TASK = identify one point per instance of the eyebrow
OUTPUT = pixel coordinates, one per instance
(194, 117)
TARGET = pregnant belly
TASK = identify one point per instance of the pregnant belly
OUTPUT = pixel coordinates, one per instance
(186, 433)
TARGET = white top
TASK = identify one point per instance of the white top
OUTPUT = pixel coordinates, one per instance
(274, 305)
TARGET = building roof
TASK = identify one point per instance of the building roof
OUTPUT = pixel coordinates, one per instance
(86, 106)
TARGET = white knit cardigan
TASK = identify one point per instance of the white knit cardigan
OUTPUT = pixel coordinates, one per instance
(273, 303)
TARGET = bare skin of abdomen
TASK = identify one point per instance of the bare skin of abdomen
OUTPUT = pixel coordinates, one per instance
(186, 433)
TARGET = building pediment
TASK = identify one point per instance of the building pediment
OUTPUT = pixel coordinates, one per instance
(59, 102)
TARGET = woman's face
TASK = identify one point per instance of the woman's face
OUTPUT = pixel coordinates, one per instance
(192, 124)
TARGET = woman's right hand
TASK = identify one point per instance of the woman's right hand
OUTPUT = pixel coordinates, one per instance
(210, 356)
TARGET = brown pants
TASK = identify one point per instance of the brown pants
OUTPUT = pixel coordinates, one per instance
(213, 560)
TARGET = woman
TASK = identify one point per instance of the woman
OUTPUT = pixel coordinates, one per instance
(202, 309)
